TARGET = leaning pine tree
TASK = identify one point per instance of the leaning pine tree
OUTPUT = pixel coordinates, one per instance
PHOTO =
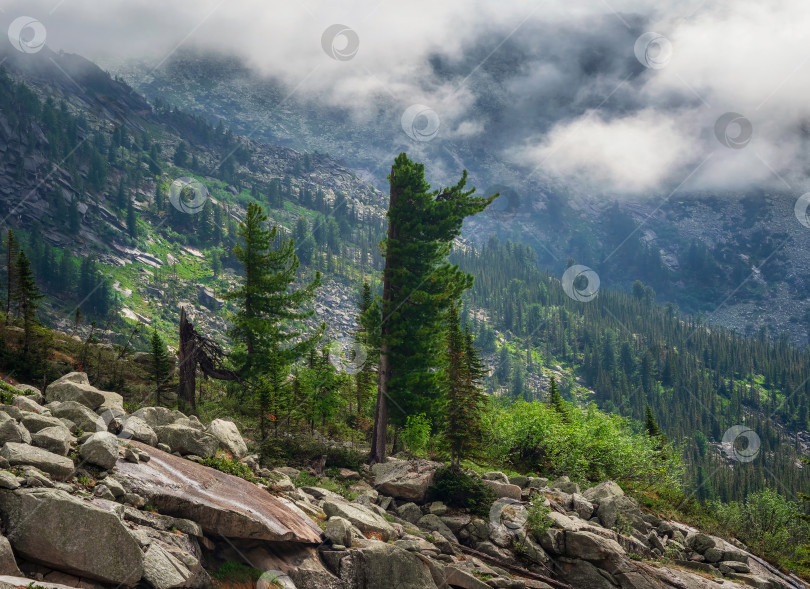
(267, 342)
(419, 285)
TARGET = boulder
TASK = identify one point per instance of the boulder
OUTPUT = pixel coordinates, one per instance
(581, 573)
(158, 416)
(135, 428)
(11, 431)
(8, 564)
(433, 523)
(76, 387)
(565, 485)
(34, 422)
(186, 439)
(28, 404)
(537, 482)
(54, 439)
(582, 506)
(221, 503)
(31, 392)
(339, 531)
(495, 475)
(100, 449)
(163, 571)
(700, 543)
(82, 417)
(602, 491)
(367, 521)
(504, 489)
(519, 480)
(52, 527)
(404, 479)
(8, 480)
(410, 512)
(229, 437)
(610, 508)
(59, 467)
(382, 565)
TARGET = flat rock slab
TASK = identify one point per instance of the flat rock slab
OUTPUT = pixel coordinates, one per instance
(59, 467)
(219, 502)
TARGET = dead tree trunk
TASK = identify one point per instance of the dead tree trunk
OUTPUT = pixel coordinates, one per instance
(197, 350)
(188, 364)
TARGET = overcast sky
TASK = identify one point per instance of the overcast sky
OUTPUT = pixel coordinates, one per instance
(580, 105)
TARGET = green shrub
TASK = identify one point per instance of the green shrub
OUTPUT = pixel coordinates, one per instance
(458, 489)
(586, 445)
(229, 466)
(416, 434)
(236, 572)
(537, 519)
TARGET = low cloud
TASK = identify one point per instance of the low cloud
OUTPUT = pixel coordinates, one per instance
(552, 87)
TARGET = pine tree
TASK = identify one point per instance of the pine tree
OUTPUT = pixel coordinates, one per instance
(465, 399)
(160, 197)
(650, 424)
(181, 155)
(26, 297)
(160, 363)
(12, 252)
(419, 285)
(556, 400)
(74, 218)
(267, 305)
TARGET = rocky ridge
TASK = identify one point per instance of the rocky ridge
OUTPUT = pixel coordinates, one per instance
(91, 496)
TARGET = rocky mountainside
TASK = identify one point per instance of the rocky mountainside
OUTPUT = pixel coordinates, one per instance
(93, 497)
(750, 266)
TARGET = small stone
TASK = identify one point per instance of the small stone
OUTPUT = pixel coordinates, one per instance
(164, 448)
(135, 500)
(103, 492)
(131, 456)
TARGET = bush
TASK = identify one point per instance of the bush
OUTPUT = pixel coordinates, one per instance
(537, 519)
(765, 521)
(458, 489)
(586, 445)
(416, 433)
(236, 572)
(229, 466)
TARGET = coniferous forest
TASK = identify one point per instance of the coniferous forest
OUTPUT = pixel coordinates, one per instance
(338, 319)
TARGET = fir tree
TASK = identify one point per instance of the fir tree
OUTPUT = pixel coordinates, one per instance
(26, 299)
(556, 400)
(267, 306)
(465, 399)
(160, 363)
(12, 251)
(650, 424)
